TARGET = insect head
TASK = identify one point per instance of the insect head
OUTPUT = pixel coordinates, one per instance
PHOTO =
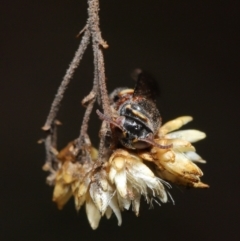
(136, 118)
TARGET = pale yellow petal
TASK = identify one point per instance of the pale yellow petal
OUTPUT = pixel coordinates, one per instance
(193, 156)
(103, 183)
(75, 185)
(188, 135)
(121, 156)
(94, 153)
(136, 204)
(79, 201)
(69, 169)
(124, 203)
(47, 167)
(179, 180)
(112, 174)
(142, 178)
(138, 168)
(61, 194)
(145, 155)
(182, 145)
(100, 197)
(200, 185)
(120, 181)
(183, 167)
(108, 212)
(162, 156)
(83, 187)
(93, 214)
(68, 178)
(166, 175)
(118, 163)
(174, 125)
(114, 206)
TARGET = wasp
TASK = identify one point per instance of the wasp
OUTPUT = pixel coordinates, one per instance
(136, 118)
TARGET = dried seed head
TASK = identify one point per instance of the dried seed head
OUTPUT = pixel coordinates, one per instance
(125, 176)
(176, 164)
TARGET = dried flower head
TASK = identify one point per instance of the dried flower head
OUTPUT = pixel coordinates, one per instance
(176, 164)
(120, 181)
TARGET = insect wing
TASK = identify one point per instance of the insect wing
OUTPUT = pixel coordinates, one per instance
(146, 87)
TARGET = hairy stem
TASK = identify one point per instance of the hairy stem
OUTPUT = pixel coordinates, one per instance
(99, 69)
(93, 22)
(68, 76)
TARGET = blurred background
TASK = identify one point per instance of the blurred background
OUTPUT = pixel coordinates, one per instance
(192, 49)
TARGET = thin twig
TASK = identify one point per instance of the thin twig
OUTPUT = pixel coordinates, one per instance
(54, 133)
(102, 84)
(51, 146)
(84, 126)
(68, 76)
(89, 100)
(99, 70)
(83, 30)
(93, 22)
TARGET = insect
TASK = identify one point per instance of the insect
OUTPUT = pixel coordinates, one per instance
(135, 119)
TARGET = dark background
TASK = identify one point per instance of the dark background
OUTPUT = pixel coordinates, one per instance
(191, 47)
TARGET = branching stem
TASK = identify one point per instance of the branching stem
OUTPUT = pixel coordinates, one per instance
(93, 22)
(99, 90)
